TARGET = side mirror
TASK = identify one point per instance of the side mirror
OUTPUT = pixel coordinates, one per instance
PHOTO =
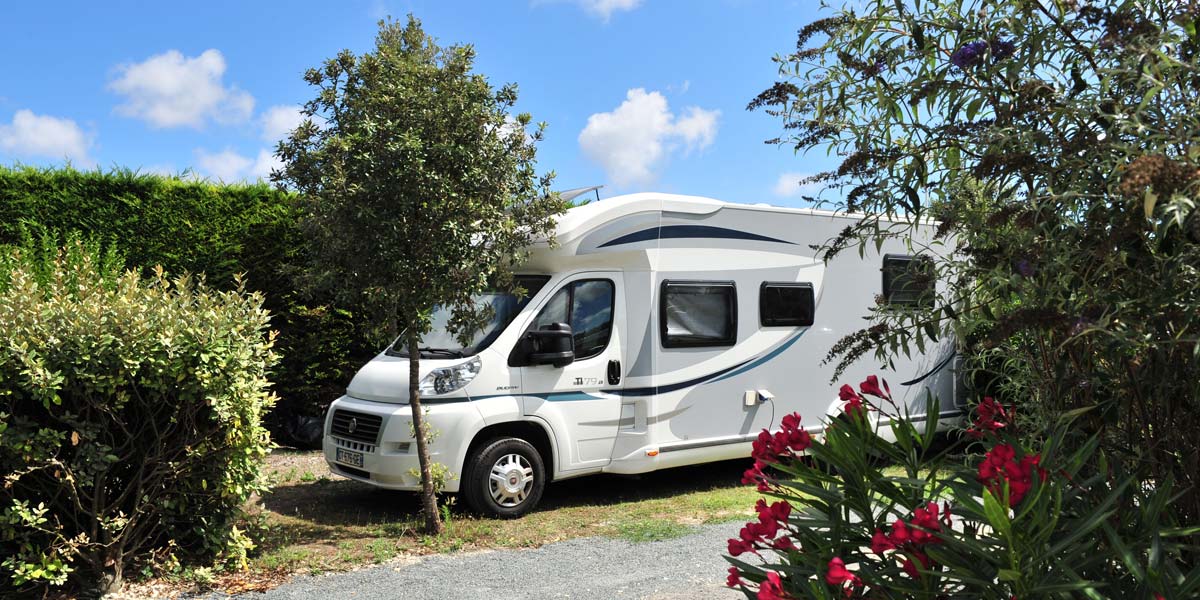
(554, 345)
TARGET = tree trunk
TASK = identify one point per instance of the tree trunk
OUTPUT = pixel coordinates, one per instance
(433, 521)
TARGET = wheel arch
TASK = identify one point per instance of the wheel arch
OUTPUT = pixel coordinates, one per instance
(537, 433)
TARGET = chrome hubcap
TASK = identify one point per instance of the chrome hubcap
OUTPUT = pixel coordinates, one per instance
(510, 480)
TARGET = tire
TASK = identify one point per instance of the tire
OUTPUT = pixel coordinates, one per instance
(520, 478)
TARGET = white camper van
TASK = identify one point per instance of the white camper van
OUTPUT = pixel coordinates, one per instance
(661, 331)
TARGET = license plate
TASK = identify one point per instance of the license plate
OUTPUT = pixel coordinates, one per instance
(354, 459)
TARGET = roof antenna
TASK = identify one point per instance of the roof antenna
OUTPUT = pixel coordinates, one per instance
(569, 195)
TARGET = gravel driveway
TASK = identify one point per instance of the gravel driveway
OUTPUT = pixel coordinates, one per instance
(687, 567)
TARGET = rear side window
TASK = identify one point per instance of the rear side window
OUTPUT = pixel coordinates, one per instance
(908, 280)
(698, 313)
(786, 304)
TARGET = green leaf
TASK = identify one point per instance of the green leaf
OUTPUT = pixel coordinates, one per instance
(997, 515)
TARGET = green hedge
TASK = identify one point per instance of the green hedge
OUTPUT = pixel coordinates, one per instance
(130, 418)
(220, 230)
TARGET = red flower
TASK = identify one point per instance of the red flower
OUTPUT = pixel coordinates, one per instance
(838, 574)
(772, 588)
(990, 417)
(738, 547)
(871, 387)
(880, 543)
(847, 392)
(854, 407)
(777, 512)
(926, 519)
(900, 534)
(734, 578)
(785, 543)
(1000, 467)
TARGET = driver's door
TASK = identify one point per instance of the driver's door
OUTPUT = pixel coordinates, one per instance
(577, 400)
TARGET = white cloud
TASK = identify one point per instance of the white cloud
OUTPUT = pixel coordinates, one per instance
(226, 165)
(230, 166)
(605, 8)
(699, 128)
(631, 141)
(788, 186)
(264, 164)
(171, 90)
(278, 121)
(43, 136)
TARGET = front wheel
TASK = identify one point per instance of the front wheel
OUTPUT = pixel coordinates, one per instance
(504, 478)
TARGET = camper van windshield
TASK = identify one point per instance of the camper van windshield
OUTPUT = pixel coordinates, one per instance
(439, 342)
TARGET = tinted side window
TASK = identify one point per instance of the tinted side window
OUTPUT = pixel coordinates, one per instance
(587, 306)
(786, 304)
(697, 313)
(591, 316)
(908, 280)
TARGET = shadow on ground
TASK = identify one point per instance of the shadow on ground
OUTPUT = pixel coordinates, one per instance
(340, 502)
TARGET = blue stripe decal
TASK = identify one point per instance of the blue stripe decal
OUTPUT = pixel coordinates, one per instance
(714, 377)
(552, 397)
(565, 396)
(689, 231)
(764, 358)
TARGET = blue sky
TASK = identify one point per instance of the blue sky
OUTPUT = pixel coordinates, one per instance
(639, 94)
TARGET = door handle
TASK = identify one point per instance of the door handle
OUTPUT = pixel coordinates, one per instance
(614, 372)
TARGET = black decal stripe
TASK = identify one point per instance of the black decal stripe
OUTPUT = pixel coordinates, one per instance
(940, 366)
(689, 231)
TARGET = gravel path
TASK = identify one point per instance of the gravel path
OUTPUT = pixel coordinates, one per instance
(689, 567)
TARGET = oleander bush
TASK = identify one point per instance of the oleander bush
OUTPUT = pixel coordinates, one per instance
(131, 417)
(222, 231)
(1018, 519)
(1055, 142)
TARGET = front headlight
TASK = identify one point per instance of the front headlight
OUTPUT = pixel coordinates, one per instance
(448, 379)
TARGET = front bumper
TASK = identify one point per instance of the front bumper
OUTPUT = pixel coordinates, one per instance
(392, 462)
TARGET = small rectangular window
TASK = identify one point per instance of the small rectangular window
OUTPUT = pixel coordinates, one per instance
(908, 280)
(698, 313)
(786, 304)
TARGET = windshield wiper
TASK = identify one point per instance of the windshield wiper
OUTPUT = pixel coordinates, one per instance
(442, 351)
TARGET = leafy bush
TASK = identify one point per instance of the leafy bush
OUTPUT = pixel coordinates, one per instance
(1021, 521)
(187, 225)
(1056, 143)
(130, 417)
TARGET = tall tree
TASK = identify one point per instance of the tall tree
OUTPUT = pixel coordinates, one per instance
(421, 189)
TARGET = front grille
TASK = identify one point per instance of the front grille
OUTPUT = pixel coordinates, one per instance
(355, 446)
(356, 426)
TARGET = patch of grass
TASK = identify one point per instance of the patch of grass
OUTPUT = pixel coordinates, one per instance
(314, 524)
(652, 530)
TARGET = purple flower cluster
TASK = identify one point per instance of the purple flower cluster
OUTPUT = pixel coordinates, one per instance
(972, 53)
(969, 55)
